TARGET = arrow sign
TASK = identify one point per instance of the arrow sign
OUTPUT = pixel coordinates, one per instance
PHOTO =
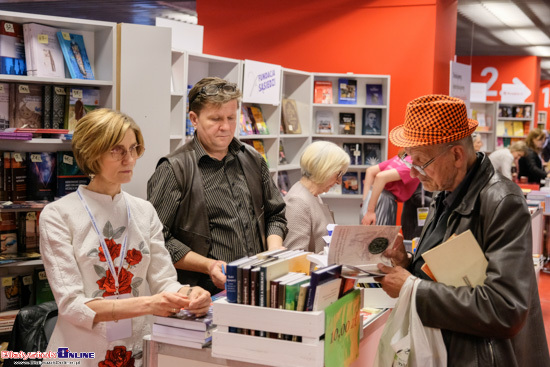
(517, 92)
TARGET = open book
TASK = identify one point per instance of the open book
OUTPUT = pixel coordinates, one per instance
(458, 261)
(360, 248)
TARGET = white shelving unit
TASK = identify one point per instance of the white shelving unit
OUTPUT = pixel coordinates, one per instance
(510, 118)
(486, 114)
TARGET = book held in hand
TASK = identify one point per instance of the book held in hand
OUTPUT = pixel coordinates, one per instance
(76, 58)
(347, 91)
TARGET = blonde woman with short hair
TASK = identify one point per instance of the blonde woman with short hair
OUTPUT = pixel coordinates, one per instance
(504, 159)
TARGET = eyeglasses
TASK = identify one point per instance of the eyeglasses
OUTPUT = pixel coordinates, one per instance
(119, 153)
(420, 169)
(340, 174)
(214, 89)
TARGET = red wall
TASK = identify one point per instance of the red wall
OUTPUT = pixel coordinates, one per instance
(544, 99)
(413, 41)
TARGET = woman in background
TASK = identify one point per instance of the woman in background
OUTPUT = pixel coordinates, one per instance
(323, 164)
(504, 159)
(104, 254)
(531, 166)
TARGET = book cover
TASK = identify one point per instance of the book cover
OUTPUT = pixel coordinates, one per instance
(47, 106)
(374, 94)
(324, 122)
(500, 128)
(26, 109)
(372, 154)
(282, 155)
(458, 261)
(274, 288)
(43, 291)
(28, 234)
(283, 182)
(371, 121)
(4, 106)
(350, 183)
(290, 117)
(326, 294)
(59, 97)
(231, 278)
(80, 102)
(27, 290)
(10, 293)
(19, 176)
(69, 175)
(347, 91)
(318, 277)
(355, 152)
(508, 128)
(322, 92)
(518, 128)
(44, 55)
(292, 291)
(6, 173)
(347, 123)
(301, 303)
(518, 112)
(12, 49)
(246, 122)
(268, 272)
(42, 175)
(8, 233)
(259, 121)
(76, 58)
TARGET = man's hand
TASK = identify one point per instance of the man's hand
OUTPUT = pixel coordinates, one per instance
(217, 274)
(394, 279)
(397, 253)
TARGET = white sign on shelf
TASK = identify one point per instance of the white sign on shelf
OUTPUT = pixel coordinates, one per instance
(262, 83)
(478, 92)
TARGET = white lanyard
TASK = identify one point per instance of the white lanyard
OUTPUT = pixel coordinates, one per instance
(106, 252)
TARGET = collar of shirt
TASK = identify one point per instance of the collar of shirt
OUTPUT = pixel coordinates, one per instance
(234, 147)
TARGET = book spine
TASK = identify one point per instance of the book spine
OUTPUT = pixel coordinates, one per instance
(262, 291)
(47, 107)
(231, 283)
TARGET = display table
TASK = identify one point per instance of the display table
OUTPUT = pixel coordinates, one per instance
(156, 354)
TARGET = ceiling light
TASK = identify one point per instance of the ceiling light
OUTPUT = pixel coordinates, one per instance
(541, 10)
(534, 36)
(510, 37)
(541, 51)
(509, 14)
(545, 64)
(479, 15)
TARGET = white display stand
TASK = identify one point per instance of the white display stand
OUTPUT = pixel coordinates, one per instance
(502, 121)
(487, 132)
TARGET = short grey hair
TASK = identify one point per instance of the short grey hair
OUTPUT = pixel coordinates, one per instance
(323, 159)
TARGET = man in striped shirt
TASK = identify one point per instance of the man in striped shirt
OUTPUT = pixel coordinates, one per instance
(214, 195)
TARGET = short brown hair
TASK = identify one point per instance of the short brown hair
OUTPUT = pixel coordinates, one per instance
(200, 100)
(98, 132)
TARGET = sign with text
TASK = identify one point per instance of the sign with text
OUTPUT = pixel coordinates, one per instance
(478, 92)
(460, 78)
(262, 83)
(342, 323)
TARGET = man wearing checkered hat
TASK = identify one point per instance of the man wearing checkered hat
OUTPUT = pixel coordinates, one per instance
(500, 322)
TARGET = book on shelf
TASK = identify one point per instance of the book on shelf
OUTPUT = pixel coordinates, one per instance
(292, 292)
(270, 271)
(527, 112)
(19, 175)
(27, 232)
(6, 173)
(371, 121)
(76, 57)
(372, 153)
(282, 155)
(283, 182)
(259, 146)
(458, 261)
(231, 278)
(374, 94)
(42, 175)
(518, 112)
(326, 294)
(518, 128)
(258, 122)
(355, 152)
(481, 118)
(347, 123)
(79, 101)
(347, 91)
(322, 92)
(69, 175)
(291, 121)
(26, 105)
(246, 122)
(318, 277)
(180, 342)
(350, 183)
(362, 247)
(8, 233)
(4, 106)
(43, 51)
(12, 49)
(3, 193)
(47, 92)
(59, 99)
(500, 128)
(10, 293)
(324, 122)
(508, 128)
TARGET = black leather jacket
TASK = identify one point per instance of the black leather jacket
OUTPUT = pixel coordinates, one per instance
(499, 323)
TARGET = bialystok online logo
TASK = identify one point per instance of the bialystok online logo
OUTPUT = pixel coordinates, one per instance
(62, 353)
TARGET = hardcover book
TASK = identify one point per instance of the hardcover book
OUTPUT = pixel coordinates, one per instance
(355, 152)
(371, 121)
(12, 49)
(324, 121)
(292, 291)
(43, 51)
(374, 94)
(6, 173)
(350, 183)
(268, 272)
(372, 154)
(291, 120)
(19, 176)
(10, 293)
(59, 98)
(318, 277)
(76, 58)
(4, 106)
(47, 107)
(347, 91)
(27, 230)
(322, 92)
(8, 233)
(80, 102)
(69, 175)
(347, 123)
(231, 278)
(326, 294)
(26, 106)
(42, 175)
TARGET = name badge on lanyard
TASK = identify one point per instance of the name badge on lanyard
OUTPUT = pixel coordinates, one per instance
(122, 328)
(422, 212)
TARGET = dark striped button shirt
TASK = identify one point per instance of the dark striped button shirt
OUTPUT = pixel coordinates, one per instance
(228, 203)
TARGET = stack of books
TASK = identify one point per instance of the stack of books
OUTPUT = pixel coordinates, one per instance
(7, 318)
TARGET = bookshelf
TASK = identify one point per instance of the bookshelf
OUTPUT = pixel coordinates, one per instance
(513, 122)
(486, 115)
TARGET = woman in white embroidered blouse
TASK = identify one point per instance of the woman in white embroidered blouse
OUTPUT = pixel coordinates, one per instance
(104, 254)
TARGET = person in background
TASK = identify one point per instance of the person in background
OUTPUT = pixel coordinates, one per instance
(478, 143)
(323, 164)
(530, 165)
(386, 184)
(498, 323)
(214, 195)
(506, 158)
(104, 253)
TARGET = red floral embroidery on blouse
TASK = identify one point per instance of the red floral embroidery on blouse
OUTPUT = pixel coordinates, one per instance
(133, 257)
(118, 357)
(107, 283)
(114, 249)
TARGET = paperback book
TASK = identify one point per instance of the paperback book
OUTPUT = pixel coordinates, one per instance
(355, 152)
(69, 175)
(19, 175)
(4, 106)
(374, 94)
(259, 125)
(81, 100)
(324, 121)
(246, 122)
(42, 175)
(322, 92)
(371, 121)
(26, 106)
(282, 155)
(347, 123)
(76, 58)
(350, 183)
(12, 49)
(347, 91)
(43, 51)
(372, 154)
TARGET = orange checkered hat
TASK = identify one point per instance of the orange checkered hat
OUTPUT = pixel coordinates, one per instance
(433, 119)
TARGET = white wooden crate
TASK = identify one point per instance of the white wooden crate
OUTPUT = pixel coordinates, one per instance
(267, 351)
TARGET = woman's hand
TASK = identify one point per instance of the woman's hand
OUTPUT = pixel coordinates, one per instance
(168, 303)
(199, 301)
(369, 219)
